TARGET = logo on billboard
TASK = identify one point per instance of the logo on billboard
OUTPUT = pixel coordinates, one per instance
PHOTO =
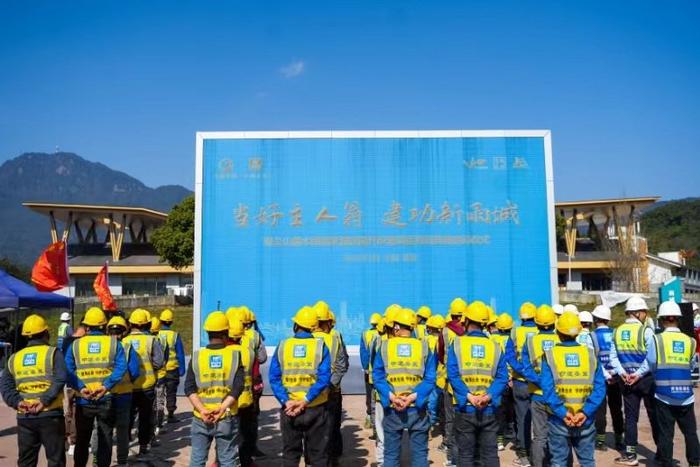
(224, 169)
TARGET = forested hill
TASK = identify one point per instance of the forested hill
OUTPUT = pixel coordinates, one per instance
(673, 226)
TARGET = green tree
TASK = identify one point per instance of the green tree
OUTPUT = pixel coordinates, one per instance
(174, 240)
(560, 230)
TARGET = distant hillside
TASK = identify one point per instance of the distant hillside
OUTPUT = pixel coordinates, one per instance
(673, 226)
(64, 178)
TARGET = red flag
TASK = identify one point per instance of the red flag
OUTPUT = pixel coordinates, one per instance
(101, 286)
(50, 272)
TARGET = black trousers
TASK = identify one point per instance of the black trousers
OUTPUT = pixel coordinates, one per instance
(368, 396)
(172, 380)
(642, 390)
(248, 424)
(85, 416)
(142, 402)
(33, 433)
(477, 432)
(307, 432)
(505, 413)
(668, 416)
(335, 419)
(614, 397)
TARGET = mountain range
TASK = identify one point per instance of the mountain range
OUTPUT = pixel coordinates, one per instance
(64, 177)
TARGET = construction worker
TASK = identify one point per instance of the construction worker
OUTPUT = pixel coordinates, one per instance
(521, 393)
(452, 329)
(300, 375)
(366, 342)
(96, 363)
(558, 309)
(174, 365)
(505, 412)
(628, 357)
(339, 366)
(533, 350)
(151, 359)
(670, 361)
(602, 339)
(389, 314)
(404, 374)
(158, 413)
(491, 325)
(478, 375)
(122, 391)
(64, 330)
(33, 386)
(213, 384)
(246, 408)
(574, 387)
(584, 337)
(433, 327)
(422, 315)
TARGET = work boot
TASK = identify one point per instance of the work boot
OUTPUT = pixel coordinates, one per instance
(501, 443)
(627, 459)
(600, 446)
(171, 418)
(522, 461)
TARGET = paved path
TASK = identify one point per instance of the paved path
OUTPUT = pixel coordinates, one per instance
(174, 449)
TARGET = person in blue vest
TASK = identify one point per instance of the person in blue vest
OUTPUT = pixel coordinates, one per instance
(628, 357)
(64, 330)
(573, 387)
(602, 341)
(477, 371)
(670, 360)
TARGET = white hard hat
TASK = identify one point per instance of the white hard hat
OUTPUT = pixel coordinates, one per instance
(570, 307)
(585, 317)
(65, 316)
(558, 309)
(602, 312)
(636, 303)
(669, 308)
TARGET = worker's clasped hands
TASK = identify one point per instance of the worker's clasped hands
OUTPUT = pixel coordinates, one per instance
(294, 408)
(629, 379)
(28, 407)
(93, 394)
(480, 401)
(574, 420)
(401, 403)
(211, 416)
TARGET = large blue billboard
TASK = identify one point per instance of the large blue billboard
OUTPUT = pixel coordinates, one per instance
(366, 219)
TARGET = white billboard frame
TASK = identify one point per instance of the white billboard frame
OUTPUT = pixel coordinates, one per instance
(201, 136)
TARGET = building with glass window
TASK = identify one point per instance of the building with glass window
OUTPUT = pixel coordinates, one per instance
(118, 236)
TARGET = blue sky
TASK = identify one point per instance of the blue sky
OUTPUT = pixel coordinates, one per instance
(129, 83)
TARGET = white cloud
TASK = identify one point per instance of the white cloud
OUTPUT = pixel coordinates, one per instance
(293, 70)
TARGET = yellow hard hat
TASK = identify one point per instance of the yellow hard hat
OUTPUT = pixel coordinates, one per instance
(424, 312)
(448, 317)
(236, 329)
(166, 315)
(569, 324)
(323, 311)
(527, 310)
(95, 317)
(389, 314)
(545, 316)
(332, 316)
(381, 325)
(33, 325)
(139, 317)
(230, 311)
(247, 316)
(237, 313)
(436, 321)
(458, 307)
(405, 316)
(216, 322)
(374, 319)
(148, 314)
(477, 312)
(493, 317)
(155, 324)
(117, 321)
(306, 317)
(504, 322)
(252, 316)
